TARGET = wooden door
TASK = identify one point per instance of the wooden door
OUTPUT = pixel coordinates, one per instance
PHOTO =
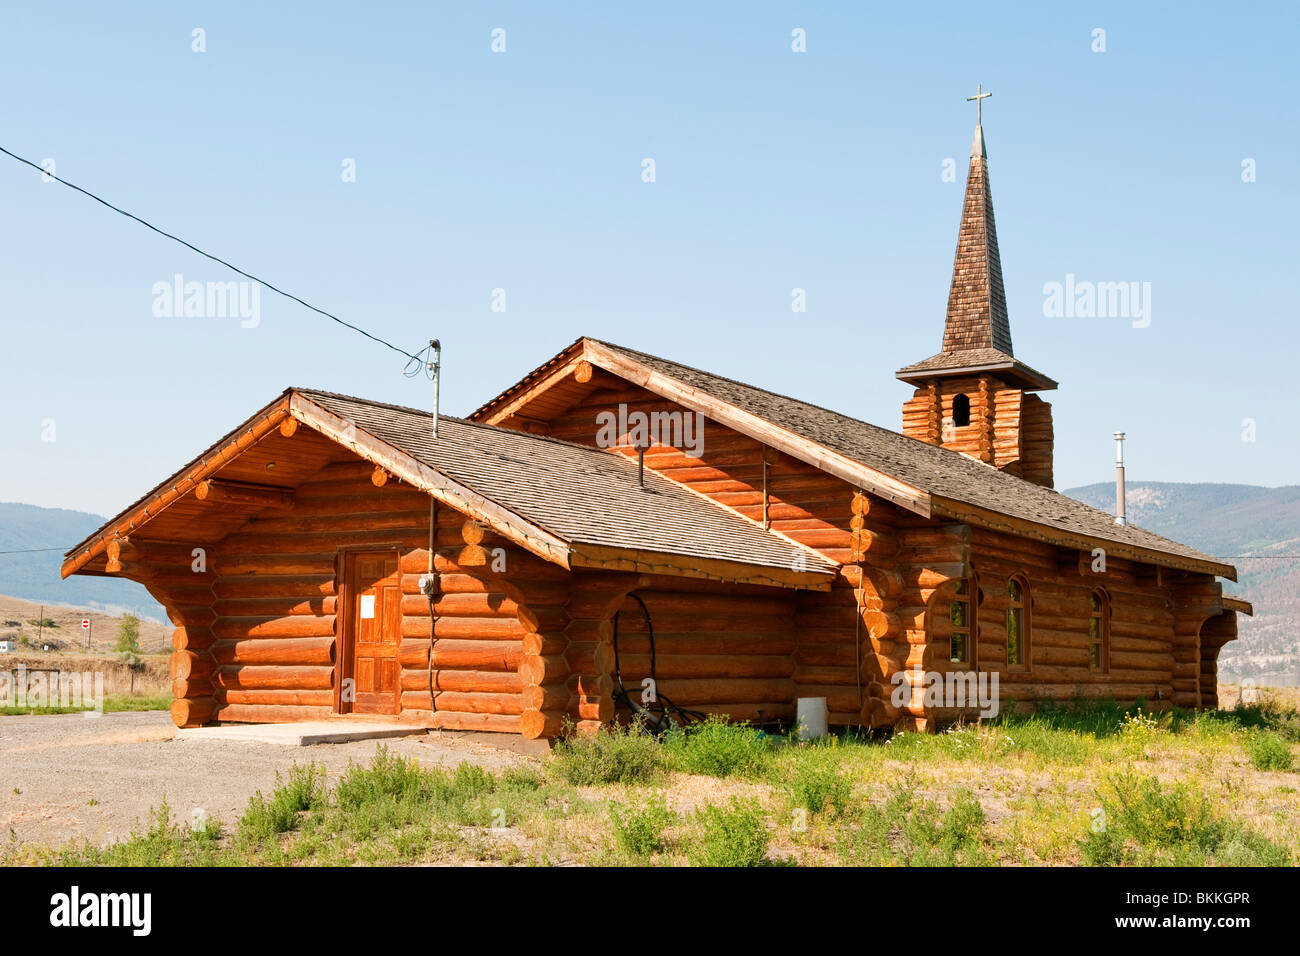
(374, 609)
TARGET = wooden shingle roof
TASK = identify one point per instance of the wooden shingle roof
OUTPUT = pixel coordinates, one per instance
(977, 331)
(568, 503)
(977, 303)
(925, 478)
(581, 495)
(975, 362)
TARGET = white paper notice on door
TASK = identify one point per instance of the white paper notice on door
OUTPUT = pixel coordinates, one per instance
(367, 606)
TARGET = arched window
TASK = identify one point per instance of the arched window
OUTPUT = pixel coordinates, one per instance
(1099, 633)
(959, 644)
(960, 411)
(1018, 607)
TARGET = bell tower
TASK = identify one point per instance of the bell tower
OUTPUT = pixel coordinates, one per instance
(974, 396)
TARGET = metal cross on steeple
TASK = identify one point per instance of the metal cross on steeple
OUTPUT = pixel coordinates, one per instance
(979, 95)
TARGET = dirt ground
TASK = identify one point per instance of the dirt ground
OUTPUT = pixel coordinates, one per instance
(67, 776)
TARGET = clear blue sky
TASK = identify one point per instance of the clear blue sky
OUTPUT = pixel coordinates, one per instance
(522, 171)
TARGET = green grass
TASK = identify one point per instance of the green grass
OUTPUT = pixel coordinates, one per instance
(112, 703)
(907, 829)
(265, 819)
(387, 812)
(1091, 785)
(161, 842)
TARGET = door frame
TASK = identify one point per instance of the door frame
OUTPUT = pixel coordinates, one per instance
(344, 625)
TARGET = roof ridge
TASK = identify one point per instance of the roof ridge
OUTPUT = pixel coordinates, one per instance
(759, 388)
(424, 412)
(938, 452)
(601, 454)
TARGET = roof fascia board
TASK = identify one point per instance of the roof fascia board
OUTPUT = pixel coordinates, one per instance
(972, 514)
(609, 558)
(179, 485)
(513, 405)
(452, 493)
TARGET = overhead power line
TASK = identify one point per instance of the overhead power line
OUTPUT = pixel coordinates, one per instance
(208, 255)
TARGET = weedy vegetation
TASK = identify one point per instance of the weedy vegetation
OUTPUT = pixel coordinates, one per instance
(1093, 785)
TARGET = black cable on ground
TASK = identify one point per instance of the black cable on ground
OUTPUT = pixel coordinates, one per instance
(669, 714)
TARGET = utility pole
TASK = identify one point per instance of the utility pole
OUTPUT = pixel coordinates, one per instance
(1121, 514)
(435, 369)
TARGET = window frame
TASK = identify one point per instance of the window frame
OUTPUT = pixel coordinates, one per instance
(961, 596)
(1025, 606)
(1101, 613)
(967, 592)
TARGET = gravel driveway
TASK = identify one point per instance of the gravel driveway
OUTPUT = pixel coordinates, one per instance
(66, 776)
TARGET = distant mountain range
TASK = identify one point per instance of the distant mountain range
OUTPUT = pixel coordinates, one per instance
(34, 575)
(1256, 529)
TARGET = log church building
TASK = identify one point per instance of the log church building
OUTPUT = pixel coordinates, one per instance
(617, 532)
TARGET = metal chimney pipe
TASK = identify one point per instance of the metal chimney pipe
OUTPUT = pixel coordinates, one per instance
(435, 367)
(1120, 516)
(640, 465)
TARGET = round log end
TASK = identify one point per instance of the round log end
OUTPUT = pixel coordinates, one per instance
(193, 711)
(537, 723)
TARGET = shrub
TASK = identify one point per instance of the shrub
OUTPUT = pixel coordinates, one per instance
(618, 755)
(1268, 752)
(163, 842)
(639, 824)
(264, 818)
(720, 749)
(388, 776)
(816, 784)
(1268, 712)
(735, 835)
(1142, 822)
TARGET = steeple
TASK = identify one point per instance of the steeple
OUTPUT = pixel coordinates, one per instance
(973, 395)
(977, 304)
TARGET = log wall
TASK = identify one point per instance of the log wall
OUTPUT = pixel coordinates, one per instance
(719, 649)
(1156, 619)
(526, 646)
(1009, 428)
(847, 643)
(270, 652)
